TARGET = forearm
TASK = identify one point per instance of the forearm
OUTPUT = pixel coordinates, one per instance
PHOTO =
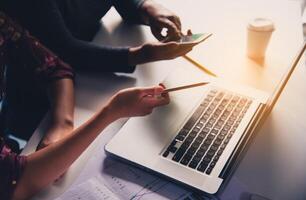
(44, 166)
(130, 10)
(144, 10)
(96, 58)
(61, 98)
(80, 54)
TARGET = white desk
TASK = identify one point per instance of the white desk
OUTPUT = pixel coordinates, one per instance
(275, 163)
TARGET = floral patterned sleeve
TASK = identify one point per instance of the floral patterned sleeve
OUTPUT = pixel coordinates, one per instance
(19, 48)
(11, 168)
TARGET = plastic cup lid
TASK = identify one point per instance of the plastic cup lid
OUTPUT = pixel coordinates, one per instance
(261, 24)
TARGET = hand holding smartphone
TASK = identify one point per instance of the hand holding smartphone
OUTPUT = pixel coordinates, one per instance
(193, 39)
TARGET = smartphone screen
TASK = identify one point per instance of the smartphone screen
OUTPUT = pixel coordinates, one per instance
(194, 38)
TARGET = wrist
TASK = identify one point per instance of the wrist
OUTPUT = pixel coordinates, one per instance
(136, 56)
(145, 10)
(110, 113)
(54, 134)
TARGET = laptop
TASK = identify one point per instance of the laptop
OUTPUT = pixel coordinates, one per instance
(200, 137)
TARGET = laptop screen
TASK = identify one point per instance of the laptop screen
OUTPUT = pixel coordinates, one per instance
(283, 82)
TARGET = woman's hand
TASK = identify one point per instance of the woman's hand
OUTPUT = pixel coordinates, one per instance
(137, 101)
(150, 52)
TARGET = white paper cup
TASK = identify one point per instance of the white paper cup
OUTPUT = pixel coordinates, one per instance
(259, 33)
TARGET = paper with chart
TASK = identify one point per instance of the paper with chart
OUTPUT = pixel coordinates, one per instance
(129, 182)
(91, 189)
(107, 178)
(120, 182)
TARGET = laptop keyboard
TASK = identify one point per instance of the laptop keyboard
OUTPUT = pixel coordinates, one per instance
(202, 140)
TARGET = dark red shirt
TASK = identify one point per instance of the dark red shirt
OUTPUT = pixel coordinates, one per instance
(11, 168)
(18, 47)
(20, 50)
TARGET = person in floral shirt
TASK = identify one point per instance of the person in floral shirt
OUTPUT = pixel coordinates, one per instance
(21, 177)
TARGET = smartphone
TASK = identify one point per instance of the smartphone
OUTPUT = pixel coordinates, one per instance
(194, 38)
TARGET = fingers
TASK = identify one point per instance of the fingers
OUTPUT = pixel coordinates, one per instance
(175, 19)
(173, 28)
(162, 85)
(166, 94)
(165, 51)
(173, 33)
(155, 101)
(174, 49)
(173, 46)
(154, 96)
(172, 24)
(176, 45)
(156, 31)
(183, 51)
(152, 91)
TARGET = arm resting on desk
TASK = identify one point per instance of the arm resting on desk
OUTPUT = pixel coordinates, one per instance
(47, 164)
(61, 97)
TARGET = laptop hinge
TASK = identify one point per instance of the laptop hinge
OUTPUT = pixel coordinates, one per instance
(244, 141)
